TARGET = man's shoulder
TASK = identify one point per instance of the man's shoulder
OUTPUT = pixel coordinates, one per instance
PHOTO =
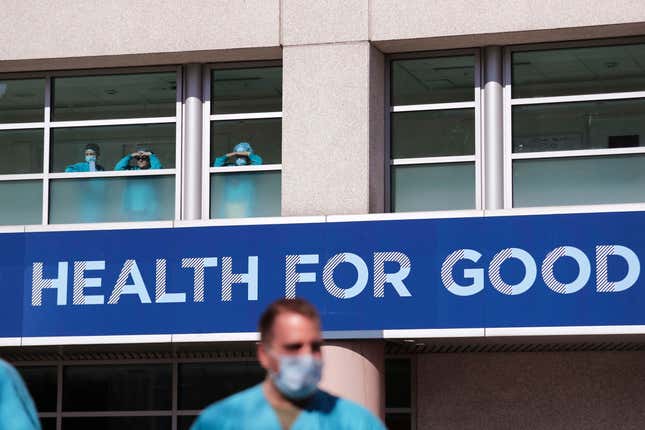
(232, 408)
(345, 410)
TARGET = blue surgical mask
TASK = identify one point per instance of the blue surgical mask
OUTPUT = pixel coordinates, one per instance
(298, 376)
(90, 158)
(240, 161)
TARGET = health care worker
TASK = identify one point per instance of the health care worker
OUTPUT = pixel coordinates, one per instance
(238, 190)
(91, 193)
(289, 398)
(140, 202)
(17, 410)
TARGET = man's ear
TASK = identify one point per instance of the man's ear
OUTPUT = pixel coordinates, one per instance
(263, 356)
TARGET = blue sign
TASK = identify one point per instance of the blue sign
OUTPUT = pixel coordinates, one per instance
(520, 271)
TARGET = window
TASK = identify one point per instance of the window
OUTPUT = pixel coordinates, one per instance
(434, 132)
(244, 106)
(399, 410)
(576, 133)
(50, 123)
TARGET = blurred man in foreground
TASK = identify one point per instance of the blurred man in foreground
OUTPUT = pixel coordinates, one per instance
(289, 398)
(17, 410)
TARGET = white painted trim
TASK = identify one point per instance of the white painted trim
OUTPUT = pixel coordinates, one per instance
(563, 210)
(434, 333)
(433, 106)
(253, 168)
(46, 149)
(352, 334)
(577, 153)
(473, 213)
(12, 229)
(479, 132)
(22, 126)
(10, 341)
(128, 225)
(507, 124)
(242, 116)
(565, 330)
(22, 177)
(111, 122)
(179, 140)
(314, 219)
(434, 160)
(95, 340)
(112, 173)
(216, 337)
(206, 142)
(578, 98)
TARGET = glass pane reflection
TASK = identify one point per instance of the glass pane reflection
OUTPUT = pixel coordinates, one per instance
(433, 80)
(41, 383)
(433, 133)
(140, 95)
(114, 142)
(22, 202)
(579, 181)
(398, 383)
(118, 423)
(245, 194)
(21, 151)
(246, 90)
(584, 125)
(22, 100)
(433, 187)
(133, 198)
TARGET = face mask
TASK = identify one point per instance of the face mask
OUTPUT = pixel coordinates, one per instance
(240, 161)
(90, 158)
(298, 376)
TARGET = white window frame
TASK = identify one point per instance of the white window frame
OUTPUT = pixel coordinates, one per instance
(47, 125)
(509, 102)
(476, 158)
(209, 118)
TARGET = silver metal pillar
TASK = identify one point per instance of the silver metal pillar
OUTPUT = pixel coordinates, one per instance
(493, 129)
(192, 152)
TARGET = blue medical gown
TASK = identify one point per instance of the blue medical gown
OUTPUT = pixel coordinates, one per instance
(238, 190)
(250, 409)
(140, 200)
(91, 194)
(17, 410)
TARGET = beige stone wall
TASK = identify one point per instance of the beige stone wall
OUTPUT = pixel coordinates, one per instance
(542, 390)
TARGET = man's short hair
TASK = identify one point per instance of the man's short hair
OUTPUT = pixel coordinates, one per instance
(296, 306)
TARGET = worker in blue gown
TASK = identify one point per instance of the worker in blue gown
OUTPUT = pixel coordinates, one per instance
(17, 410)
(140, 200)
(289, 398)
(91, 194)
(237, 189)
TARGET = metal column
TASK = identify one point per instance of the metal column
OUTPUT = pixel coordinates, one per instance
(192, 159)
(493, 129)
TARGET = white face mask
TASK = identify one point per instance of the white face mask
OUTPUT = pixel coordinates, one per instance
(298, 375)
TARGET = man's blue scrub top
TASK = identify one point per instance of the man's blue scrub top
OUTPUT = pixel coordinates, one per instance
(17, 410)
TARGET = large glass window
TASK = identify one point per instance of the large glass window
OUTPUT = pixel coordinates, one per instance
(434, 138)
(245, 141)
(93, 146)
(399, 404)
(577, 132)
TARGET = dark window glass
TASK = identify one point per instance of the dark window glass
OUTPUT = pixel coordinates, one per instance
(583, 125)
(134, 198)
(117, 388)
(22, 100)
(398, 383)
(114, 96)
(398, 421)
(41, 382)
(245, 194)
(48, 423)
(22, 202)
(117, 423)
(433, 133)
(201, 384)
(246, 90)
(264, 136)
(21, 151)
(433, 80)
(114, 143)
(589, 70)
(185, 421)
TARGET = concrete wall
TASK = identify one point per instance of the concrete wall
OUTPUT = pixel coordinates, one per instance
(549, 390)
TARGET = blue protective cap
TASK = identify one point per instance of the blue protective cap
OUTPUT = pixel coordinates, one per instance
(243, 147)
